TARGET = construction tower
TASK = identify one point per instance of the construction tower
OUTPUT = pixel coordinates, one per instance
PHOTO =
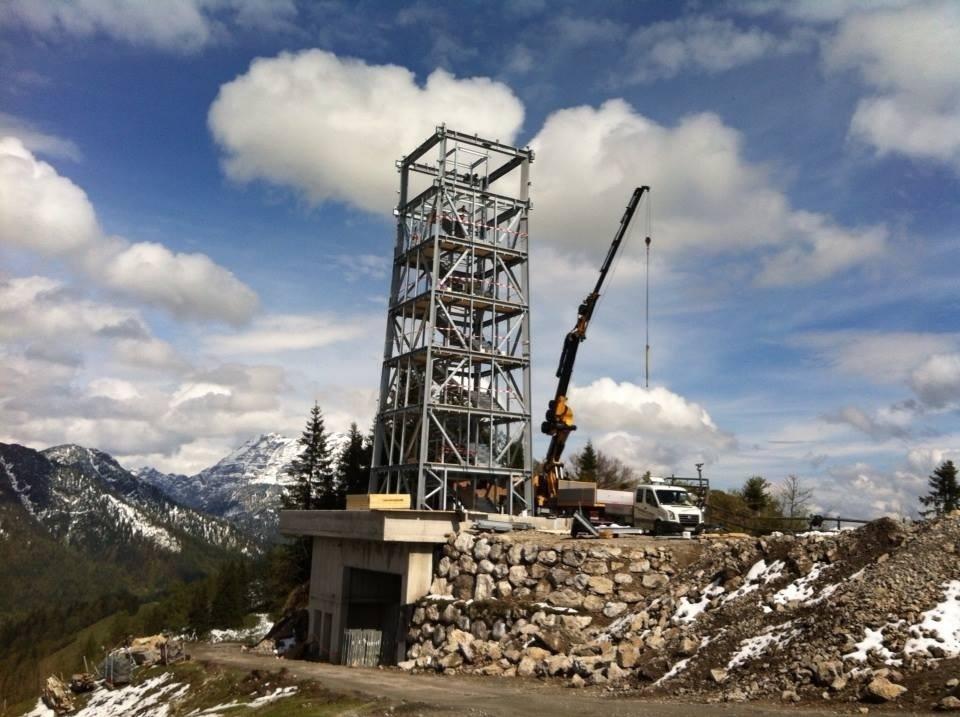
(453, 422)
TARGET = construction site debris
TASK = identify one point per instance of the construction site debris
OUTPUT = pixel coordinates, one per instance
(82, 682)
(57, 696)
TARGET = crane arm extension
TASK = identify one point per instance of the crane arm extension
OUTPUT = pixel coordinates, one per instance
(559, 415)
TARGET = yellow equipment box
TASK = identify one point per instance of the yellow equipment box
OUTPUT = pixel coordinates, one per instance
(378, 501)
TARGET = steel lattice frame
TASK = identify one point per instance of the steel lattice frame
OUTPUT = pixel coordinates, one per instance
(453, 420)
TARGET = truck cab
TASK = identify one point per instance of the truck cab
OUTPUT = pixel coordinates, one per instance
(664, 508)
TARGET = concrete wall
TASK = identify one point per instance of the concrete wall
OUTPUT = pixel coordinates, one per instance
(332, 557)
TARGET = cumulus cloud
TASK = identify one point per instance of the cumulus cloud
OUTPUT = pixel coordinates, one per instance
(867, 492)
(652, 429)
(278, 333)
(707, 196)
(183, 26)
(698, 43)
(630, 407)
(937, 380)
(923, 459)
(910, 56)
(37, 307)
(331, 127)
(46, 213)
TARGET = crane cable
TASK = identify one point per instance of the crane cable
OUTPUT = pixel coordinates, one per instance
(647, 303)
(616, 260)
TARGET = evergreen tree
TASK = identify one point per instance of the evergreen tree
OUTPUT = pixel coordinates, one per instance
(227, 609)
(944, 495)
(587, 463)
(198, 611)
(314, 481)
(756, 493)
(353, 467)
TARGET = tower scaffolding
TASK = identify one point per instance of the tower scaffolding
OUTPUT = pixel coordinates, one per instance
(453, 424)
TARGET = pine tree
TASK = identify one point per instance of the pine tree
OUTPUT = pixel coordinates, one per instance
(944, 495)
(353, 467)
(756, 493)
(587, 463)
(314, 482)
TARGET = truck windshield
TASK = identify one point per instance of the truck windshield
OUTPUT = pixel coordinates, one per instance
(673, 497)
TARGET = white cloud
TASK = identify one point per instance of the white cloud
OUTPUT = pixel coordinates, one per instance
(923, 459)
(41, 210)
(884, 357)
(46, 213)
(889, 422)
(815, 11)
(867, 492)
(626, 406)
(363, 266)
(278, 333)
(911, 57)
(36, 307)
(173, 24)
(651, 429)
(331, 128)
(698, 43)
(184, 26)
(36, 141)
(937, 380)
(706, 196)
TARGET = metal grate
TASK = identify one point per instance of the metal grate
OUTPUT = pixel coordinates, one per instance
(362, 648)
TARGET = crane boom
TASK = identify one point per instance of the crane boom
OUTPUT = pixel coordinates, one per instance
(558, 422)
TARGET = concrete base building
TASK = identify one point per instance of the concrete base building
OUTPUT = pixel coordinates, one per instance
(367, 565)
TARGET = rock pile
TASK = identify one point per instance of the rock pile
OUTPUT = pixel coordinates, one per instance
(850, 615)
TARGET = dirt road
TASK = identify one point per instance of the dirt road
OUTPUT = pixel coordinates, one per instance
(479, 696)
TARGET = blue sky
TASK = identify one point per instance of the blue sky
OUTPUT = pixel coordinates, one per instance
(196, 201)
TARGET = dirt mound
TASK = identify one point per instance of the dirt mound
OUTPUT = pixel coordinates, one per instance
(855, 615)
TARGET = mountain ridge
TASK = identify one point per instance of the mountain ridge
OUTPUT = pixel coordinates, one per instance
(244, 487)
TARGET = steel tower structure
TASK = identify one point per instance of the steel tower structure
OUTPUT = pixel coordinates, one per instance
(453, 422)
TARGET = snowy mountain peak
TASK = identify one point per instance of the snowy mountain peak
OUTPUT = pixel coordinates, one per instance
(263, 459)
(245, 486)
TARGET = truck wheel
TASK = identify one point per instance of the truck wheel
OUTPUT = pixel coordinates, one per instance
(657, 527)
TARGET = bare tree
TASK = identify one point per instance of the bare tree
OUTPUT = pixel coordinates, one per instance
(794, 497)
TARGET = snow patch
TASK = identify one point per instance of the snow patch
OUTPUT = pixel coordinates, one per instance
(151, 698)
(245, 634)
(753, 647)
(939, 627)
(801, 589)
(232, 707)
(19, 489)
(873, 642)
(555, 609)
(689, 611)
(142, 526)
(759, 574)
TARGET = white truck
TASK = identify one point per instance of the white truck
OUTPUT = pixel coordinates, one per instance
(659, 507)
(663, 508)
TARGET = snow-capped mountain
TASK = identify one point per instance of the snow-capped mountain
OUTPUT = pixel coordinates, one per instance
(245, 487)
(71, 513)
(84, 498)
(146, 503)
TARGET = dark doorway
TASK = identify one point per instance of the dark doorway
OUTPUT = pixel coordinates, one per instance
(372, 617)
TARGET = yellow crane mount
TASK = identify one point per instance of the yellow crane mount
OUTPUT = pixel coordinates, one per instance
(559, 417)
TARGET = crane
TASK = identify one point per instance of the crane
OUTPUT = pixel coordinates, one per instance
(558, 423)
